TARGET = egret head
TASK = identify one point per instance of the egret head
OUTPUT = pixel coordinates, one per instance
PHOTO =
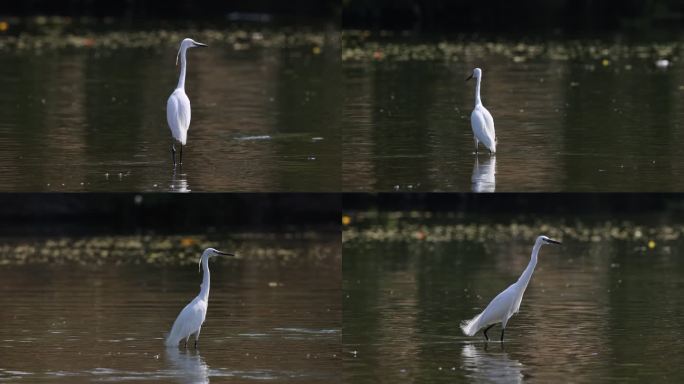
(547, 240)
(477, 73)
(209, 252)
(188, 43)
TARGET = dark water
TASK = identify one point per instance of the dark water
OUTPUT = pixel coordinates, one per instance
(78, 324)
(593, 311)
(263, 119)
(579, 124)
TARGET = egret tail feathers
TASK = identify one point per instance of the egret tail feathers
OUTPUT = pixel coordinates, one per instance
(171, 343)
(470, 327)
(174, 337)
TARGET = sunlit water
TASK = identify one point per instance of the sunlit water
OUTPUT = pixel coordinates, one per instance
(584, 124)
(77, 324)
(263, 119)
(593, 311)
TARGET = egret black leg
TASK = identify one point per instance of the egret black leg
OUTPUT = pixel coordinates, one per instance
(502, 333)
(173, 154)
(485, 332)
(181, 155)
(195, 343)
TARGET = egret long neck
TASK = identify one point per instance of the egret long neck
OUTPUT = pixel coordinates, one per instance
(204, 292)
(477, 91)
(181, 78)
(527, 274)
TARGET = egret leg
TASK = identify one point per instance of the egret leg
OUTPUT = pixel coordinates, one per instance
(485, 332)
(173, 154)
(476, 143)
(186, 341)
(197, 337)
(181, 155)
(502, 333)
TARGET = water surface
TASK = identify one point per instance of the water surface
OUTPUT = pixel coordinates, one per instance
(82, 118)
(569, 116)
(595, 310)
(267, 320)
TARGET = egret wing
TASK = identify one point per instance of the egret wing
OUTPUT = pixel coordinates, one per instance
(499, 308)
(518, 300)
(188, 321)
(479, 125)
(497, 311)
(178, 115)
(481, 130)
(489, 123)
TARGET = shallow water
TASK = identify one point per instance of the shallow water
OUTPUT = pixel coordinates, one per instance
(593, 121)
(263, 119)
(593, 311)
(79, 324)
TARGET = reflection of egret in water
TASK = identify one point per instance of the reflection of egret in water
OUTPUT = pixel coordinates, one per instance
(492, 366)
(484, 175)
(187, 366)
(179, 182)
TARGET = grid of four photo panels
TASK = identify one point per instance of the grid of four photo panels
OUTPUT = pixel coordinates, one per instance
(341, 191)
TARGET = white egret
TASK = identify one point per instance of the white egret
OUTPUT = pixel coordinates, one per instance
(480, 119)
(191, 318)
(178, 105)
(506, 303)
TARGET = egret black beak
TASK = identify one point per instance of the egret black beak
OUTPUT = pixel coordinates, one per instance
(469, 77)
(551, 241)
(224, 253)
(200, 45)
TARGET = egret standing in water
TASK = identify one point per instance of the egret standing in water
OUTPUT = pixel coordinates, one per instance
(190, 319)
(506, 303)
(480, 119)
(178, 105)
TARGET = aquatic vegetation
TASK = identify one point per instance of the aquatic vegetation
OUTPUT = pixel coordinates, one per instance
(163, 40)
(364, 46)
(431, 228)
(256, 248)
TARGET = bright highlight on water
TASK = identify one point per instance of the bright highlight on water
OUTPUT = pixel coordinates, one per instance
(178, 105)
(506, 303)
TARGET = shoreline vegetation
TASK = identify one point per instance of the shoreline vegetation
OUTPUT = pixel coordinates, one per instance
(368, 46)
(257, 249)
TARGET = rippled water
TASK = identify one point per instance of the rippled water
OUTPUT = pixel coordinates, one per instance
(593, 311)
(78, 324)
(263, 119)
(580, 124)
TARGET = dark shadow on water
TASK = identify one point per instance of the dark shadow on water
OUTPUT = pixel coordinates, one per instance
(187, 366)
(484, 174)
(179, 181)
(491, 364)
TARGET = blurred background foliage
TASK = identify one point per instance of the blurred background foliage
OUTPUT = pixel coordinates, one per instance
(495, 16)
(34, 15)
(561, 204)
(163, 213)
(207, 10)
